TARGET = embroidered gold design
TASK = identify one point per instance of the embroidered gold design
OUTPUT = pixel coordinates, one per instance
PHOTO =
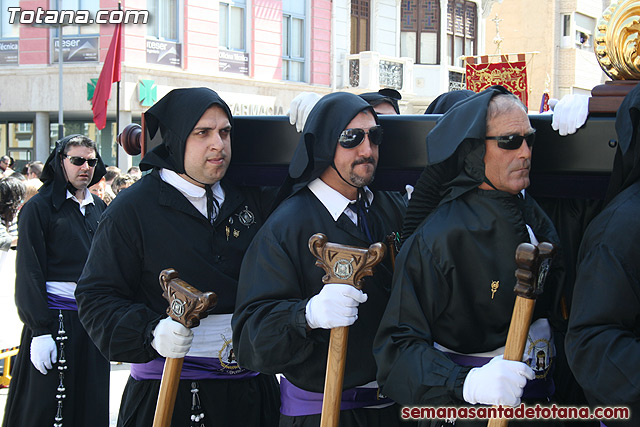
(227, 230)
(494, 287)
(236, 233)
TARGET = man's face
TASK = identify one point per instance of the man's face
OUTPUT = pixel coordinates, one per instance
(508, 170)
(357, 165)
(208, 150)
(79, 176)
(384, 108)
(4, 164)
(98, 188)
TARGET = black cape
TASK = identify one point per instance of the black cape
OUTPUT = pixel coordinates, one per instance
(603, 339)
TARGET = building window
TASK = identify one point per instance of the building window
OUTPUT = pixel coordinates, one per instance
(163, 19)
(419, 31)
(232, 25)
(462, 18)
(73, 30)
(360, 11)
(293, 25)
(566, 25)
(584, 31)
(8, 30)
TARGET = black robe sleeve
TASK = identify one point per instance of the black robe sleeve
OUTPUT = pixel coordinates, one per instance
(107, 293)
(410, 370)
(31, 268)
(269, 326)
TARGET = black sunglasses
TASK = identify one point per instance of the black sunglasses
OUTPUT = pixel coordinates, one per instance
(513, 142)
(79, 161)
(351, 138)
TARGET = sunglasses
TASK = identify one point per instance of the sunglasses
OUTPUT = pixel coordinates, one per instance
(79, 161)
(351, 138)
(513, 142)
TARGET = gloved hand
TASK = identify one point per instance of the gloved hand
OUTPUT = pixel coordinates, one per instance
(44, 353)
(171, 339)
(570, 113)
(499, 382)
(336, 305)
(300, 108)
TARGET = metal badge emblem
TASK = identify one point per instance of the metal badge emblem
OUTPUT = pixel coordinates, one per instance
(246, 217)
(343, 269)
(494, 287)
(177, 307)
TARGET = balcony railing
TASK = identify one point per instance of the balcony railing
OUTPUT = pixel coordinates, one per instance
(372, 71)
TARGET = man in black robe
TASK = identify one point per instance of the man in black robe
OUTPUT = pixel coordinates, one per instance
(444, 329)
(603, 340)
(284, 313)
(183, 215)
(59, 377)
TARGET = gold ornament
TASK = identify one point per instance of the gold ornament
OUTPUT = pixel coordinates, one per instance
(617, 40)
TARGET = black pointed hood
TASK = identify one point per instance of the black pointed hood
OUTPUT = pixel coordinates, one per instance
(54, 180)
(170, 121)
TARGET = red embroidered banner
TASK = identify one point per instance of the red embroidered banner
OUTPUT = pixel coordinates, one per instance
(512, 75)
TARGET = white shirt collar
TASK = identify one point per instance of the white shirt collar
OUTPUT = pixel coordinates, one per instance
(335, 202)
(192, 192)
(87, 200)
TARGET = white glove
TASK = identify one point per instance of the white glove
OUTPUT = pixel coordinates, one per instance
(336, 305)
(300, 108)
(171, 339)
(570, 113)
(499, 382)
(44, 353)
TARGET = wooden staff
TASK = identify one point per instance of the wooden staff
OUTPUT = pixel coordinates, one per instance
(533, 265)
(350, 265)
(187, 305)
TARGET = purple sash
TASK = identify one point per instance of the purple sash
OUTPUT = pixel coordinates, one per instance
(194, 368)
(297, 402)
(56, 302)
(538, 388)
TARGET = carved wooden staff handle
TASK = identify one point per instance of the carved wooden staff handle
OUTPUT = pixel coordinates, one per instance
(533, 264)
(343, 264)
(187, 305)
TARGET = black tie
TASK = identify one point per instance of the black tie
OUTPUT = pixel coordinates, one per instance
(211, 202)
(362, 210)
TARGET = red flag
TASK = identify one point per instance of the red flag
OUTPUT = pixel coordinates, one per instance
(512, 75)
(110, 73)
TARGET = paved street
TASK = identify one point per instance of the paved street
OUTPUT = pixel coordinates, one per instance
(119, 375)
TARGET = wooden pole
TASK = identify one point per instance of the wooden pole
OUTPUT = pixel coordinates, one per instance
(168, 391)
(336, 360)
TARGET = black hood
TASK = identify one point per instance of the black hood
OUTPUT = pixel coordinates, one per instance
(626, 165)
(317, 144)
(53, 177)
(455, 157)
(391, 96)
(170, 121)
(447, 100)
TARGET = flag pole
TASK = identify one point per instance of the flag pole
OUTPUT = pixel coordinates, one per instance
(118, 101)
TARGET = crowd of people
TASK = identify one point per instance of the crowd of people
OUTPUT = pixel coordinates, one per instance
(428, 327)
